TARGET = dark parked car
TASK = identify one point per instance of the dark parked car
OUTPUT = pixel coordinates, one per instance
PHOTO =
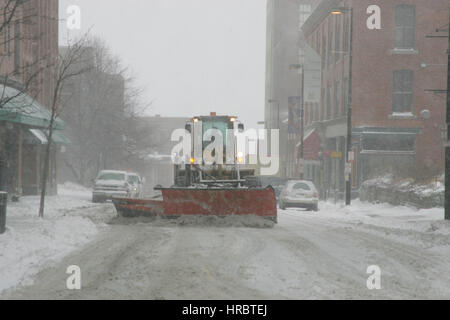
(276, 182)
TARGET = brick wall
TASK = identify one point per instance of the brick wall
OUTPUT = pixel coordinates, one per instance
(374, 62)
(31, 36)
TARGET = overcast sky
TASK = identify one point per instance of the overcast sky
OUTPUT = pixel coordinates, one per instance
(192, 56)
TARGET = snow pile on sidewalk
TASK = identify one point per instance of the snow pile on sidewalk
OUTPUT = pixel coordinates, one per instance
(424, 225)
(434, 186)
(30, 243)
(406, 191)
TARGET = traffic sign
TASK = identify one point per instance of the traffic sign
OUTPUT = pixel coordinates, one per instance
(348, 168)
(336, 155)
(351, 156)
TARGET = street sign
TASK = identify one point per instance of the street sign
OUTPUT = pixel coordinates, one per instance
(336, 155)
(348, 168)
(351, 156)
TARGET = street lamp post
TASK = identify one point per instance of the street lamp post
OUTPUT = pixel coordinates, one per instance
(348, 175)
(302, 110)
(302, 122)
(271, 122)
(278, 108)
(447, 147)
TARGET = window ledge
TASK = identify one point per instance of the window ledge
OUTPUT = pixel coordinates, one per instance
(403, 51)
(402, 116)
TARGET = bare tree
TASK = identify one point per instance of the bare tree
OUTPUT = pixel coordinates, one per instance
(104, 105)
(69, 65)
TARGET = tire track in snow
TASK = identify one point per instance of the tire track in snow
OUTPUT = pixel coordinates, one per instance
(409, 271)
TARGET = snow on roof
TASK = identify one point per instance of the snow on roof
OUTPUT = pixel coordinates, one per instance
(157, 156)
(113, 171)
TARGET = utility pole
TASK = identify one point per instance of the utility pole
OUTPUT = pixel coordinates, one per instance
(302, 113)
(348, 174)
(278, 116)
(278, 110)
(301, 67)
(447, 146)
(447, 139)
(348, 177)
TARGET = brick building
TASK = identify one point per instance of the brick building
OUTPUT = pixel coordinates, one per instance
(32, 36)
(29, 42)
(397, 80)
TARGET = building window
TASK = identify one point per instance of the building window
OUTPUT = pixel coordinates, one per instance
(304, 13)
(346, 34)
(306, 114)
(337, 40)
(310, 113)
(329, 106)
(17, 52)
(8, 39)
(337, 98)
(330, 42)
(403, 87)
(405, 21)
(388, 142)
(316, 113)
(324, 50)
(318, 41)
(322, 105)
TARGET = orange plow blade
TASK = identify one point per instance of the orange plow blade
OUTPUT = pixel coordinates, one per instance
(128, 207)
(206, 202)
(220, 202)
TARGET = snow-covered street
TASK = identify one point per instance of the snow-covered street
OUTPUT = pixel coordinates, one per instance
(323, 255)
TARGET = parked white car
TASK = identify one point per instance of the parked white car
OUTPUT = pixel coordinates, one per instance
(109, 184)
(299, 194)
(136, 184)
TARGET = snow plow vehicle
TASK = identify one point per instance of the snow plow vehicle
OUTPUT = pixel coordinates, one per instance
(211, 177)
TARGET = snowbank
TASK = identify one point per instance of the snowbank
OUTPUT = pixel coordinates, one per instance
(406, 224)
(404, 192)
(30, 243)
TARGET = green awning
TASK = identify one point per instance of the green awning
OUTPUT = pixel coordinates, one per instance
(23, 109)
(59, 138)
(39, 135)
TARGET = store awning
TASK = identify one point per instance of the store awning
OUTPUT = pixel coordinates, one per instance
(18, 107)
(57, 137)
(39, 135)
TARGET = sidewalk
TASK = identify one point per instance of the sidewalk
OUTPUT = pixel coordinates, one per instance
(30, 243)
